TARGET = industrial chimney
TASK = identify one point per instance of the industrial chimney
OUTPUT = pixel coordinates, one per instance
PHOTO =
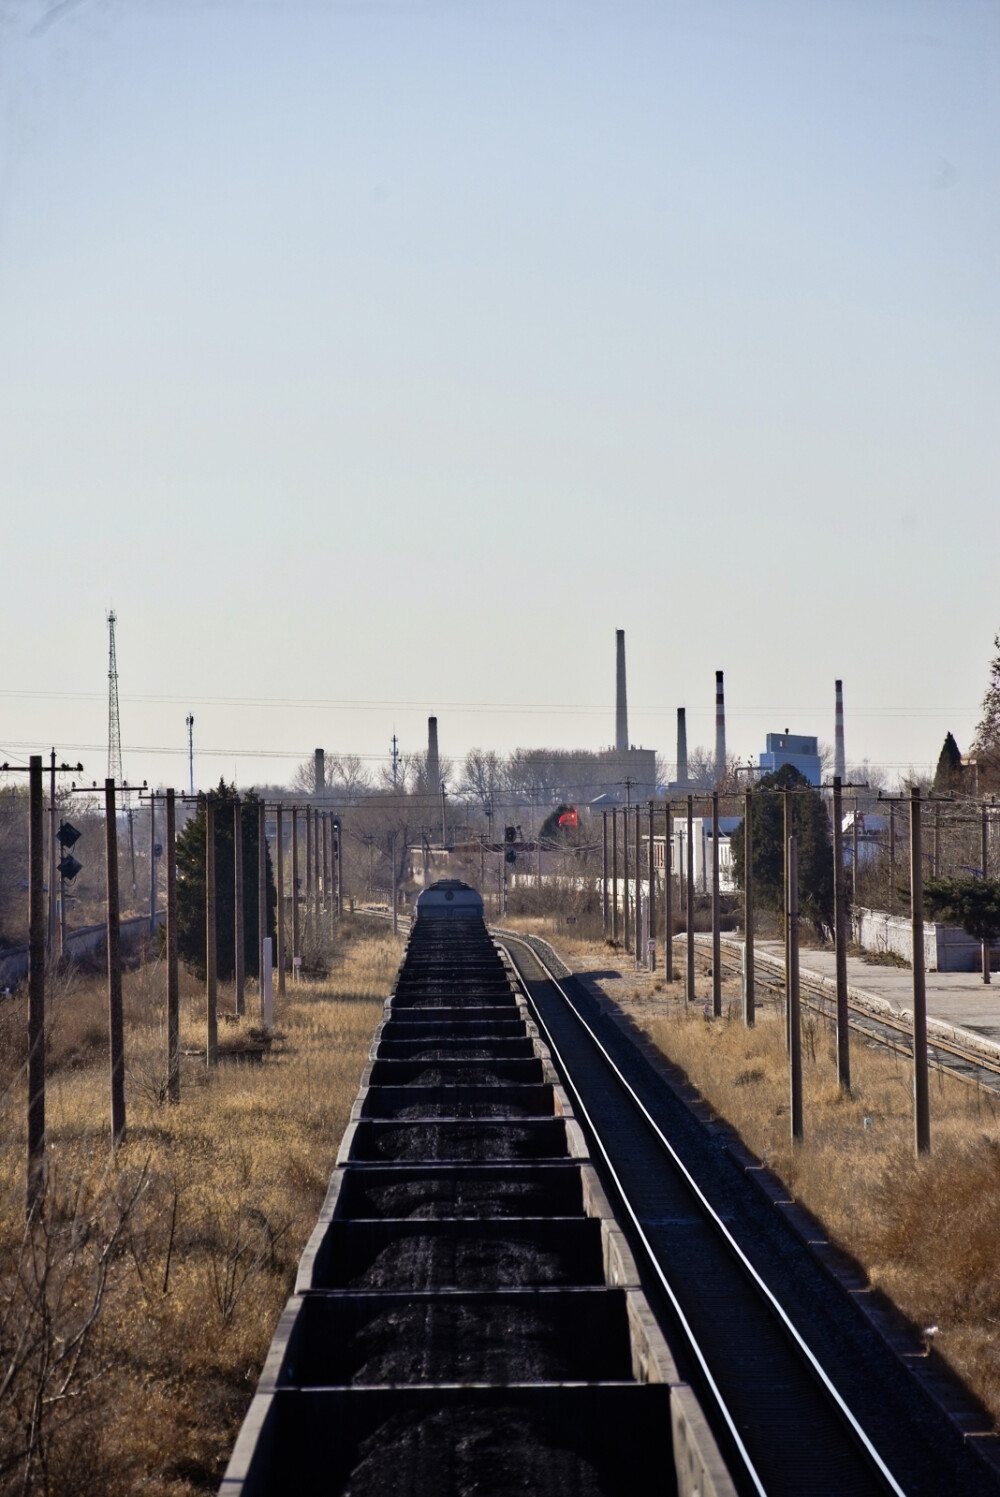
(720, 729)
(682, 746)
(319, 772)
(621, 701)
(839, 757)
(433, 763)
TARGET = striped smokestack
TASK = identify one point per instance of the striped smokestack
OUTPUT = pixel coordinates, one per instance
(839, 756)
(682, 746)
(433, 763)
(720, 728)
(621, 700)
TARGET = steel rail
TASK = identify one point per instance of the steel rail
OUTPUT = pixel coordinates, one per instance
(719, 1225)
(812, 990)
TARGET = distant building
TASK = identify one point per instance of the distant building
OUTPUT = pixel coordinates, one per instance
(796, 749)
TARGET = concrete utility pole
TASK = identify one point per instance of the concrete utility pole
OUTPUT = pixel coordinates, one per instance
(690, 901)
(668, 896)
(638, 886)
(936, 855)
(749, 974)
(614, 875)
(36, 987)
(985, 848)
(296, 947)
(173, 983)
(604, 871)
(240, 913)
(211, 948)
(840, 939)
(116, 1021)
(795, 1046)
(716, 913)
(892, 857)
(651, 906)
(279, 839)
(921, 1089)
(444, 812)
(190, 728)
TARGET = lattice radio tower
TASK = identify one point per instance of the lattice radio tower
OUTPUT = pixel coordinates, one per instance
(115, 738)
(114, 721)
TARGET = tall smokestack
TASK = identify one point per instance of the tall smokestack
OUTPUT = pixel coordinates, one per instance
(682, 746)
(621, 700)
(720, 728)
(433, 763)
(319, 772)
(839, 757)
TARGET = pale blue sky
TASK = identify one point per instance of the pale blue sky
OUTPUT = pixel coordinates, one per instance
(397, 354)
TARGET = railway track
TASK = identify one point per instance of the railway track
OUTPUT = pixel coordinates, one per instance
(888, 1030)
(808, 1398)
(468, 1316)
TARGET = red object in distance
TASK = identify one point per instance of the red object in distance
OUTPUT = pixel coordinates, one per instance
(569, 818)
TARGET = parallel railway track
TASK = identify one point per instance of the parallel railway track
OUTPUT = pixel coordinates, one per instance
(810, 1399)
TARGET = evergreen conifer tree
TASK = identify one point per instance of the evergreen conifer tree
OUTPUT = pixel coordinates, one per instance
(191, 891)
(948, 775)
(811, 827)
(986, 743)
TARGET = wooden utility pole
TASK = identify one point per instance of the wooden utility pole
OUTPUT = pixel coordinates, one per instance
(604, 871)
(116, 1020)
(668, 897)
(892, 857)
(50, 935)
(921, 1089)
(318, 888)
(936, 857)
(854, 854)
(240, 962)
(395, 909)
(651, 896)
(211, 948)
(279, 839)
(36, 987)
(787, 806)
(340, 868)
(152, 864)
(840, 940)
(261, 900)
(614, 875)
(795, 1045)
(716, 913)
(444, 813)
(985, 848)
(690, 901)
(749, 973)
(296, 947)
(173, 975)
(326, 862)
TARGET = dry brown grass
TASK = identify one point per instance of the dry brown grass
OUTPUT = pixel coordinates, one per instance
(229, 1186)
(925, 1232)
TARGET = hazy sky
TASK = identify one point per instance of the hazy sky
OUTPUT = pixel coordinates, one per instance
(377, 358)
